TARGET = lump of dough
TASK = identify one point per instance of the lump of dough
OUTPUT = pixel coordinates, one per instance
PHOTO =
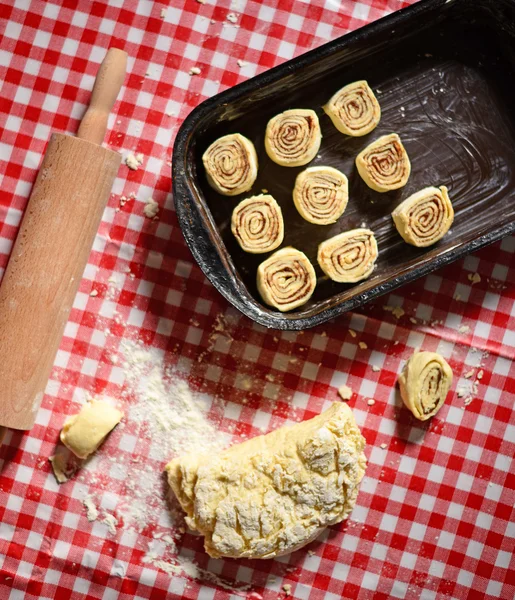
(424, 384)
(83, 433)
(274, 493)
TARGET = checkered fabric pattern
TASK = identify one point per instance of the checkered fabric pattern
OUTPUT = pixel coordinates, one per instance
(435, 515)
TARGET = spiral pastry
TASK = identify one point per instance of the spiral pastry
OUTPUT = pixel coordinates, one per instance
(349, 256)
(384, 164)
(321, 194)
(231, 164)
(424, 383)
(293, 137)
(425, 217)
(257, 223)
(354, 110)
(286, 280)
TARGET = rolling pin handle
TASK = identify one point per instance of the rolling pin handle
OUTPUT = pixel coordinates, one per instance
(107, 86)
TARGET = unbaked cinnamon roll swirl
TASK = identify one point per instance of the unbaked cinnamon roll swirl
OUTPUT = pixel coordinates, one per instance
(231, 164)
(424, 383)
(321, 194)
(293, 137)
(425, 217)
(286, 280)
(349, 256)
(384, 164)
(354, 110)
(257, 223)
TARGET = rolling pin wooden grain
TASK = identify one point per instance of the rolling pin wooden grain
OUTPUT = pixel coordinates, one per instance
(52, 249)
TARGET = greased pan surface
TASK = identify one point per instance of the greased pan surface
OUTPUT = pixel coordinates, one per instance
(443, 72)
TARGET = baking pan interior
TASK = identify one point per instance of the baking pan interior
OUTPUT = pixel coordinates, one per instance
(445, 82)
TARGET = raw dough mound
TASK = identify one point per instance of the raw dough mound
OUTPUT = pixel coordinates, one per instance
(275, 493)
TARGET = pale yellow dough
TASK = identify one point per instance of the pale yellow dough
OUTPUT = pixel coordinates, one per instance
(231, 164)
(83, 433)
(293, 138)
(354, 110)
(349, 256)
(321, 194)
(257, 223)
(384, 164)
(275, 493)
(287, 279)
(424, 383)
(425, 217)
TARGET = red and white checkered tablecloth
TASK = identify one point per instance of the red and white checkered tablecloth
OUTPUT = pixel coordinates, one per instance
(435, 515)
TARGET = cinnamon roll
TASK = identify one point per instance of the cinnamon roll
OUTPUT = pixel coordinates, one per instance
(354, 110)
(424, 383)
(257, 224)
(349, 256)
(425, 217)
(293, 137)
(384, 164)
(231, 164)
(321, 194)
(286, 280)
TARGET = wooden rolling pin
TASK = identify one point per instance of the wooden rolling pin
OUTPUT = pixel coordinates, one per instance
(52, 249)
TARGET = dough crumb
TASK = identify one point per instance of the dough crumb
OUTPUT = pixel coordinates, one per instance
(151, 208)
(194, 71)
(384, 446)
(396, 311)
(461, 391)
(457, 297)
(480, 374)
(474, 278)
(371, 402)
(469, 374)
(363, 346)
(464, 329)
(375, 368)
(201, 1)
(414, 321)
(163, 13)
(287, 589)
(91, 509)
(93, 293)
(345, 392)
(353, 333)
(59, 467)
(134, 161)
(242, 63)
(232, 18)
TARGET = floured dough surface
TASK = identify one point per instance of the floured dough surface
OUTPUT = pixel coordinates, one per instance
(274, 493)
(83, 433)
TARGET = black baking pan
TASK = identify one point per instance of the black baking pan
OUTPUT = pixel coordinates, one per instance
(444, 74)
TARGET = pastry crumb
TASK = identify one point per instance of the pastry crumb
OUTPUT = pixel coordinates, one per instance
(194, 71)
(396, 311)
(363, 346)
(151, 208)
(345, 392)
(371, 402)
(134, 161)
(469, 374)
(457, 297)
(287, 589)
(201, 1)
(464, 329)
(352, 332)
(93, 293)
(474, 278)
(163, 13)
(461, 391)
(375, 368)
(383, 446)
(480, 374)
(233, 18)
(242, 63)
